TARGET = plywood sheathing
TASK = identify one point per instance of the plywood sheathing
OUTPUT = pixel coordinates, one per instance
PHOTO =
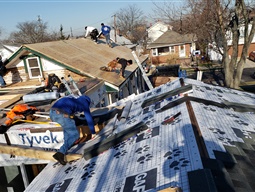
(86, 57)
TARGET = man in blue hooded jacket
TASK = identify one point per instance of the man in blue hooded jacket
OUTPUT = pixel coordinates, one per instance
(105, 30)
(62, 112)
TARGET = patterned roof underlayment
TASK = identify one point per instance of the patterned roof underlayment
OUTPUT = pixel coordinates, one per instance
(208, 146)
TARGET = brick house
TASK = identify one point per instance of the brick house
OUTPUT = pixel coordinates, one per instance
(171, 47)
(241, 43)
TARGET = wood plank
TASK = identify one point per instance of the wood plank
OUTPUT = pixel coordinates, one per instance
(34, 153)
(11, 101)
(7, 97)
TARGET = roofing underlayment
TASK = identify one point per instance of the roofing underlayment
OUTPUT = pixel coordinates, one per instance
(207, 145)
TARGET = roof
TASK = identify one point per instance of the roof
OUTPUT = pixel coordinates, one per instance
(185, 133)
(7, 50)
(79, 55)
(159, 23)
(171, 38)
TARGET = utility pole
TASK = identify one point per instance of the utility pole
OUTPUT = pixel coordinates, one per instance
(71, 31)
(115, 35)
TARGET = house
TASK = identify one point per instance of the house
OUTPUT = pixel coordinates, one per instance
(171, 47)
(240, 42)
(79, 58)
(184, 135)
(156, 30)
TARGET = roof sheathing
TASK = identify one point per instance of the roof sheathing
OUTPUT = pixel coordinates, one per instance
(163, 155)
(85, 56)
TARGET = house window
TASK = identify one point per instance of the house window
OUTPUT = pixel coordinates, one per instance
(33, 67)
(181, 51)
(171, 49)
(163, 50)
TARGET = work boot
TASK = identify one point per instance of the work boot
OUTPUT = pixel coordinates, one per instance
(60, 158)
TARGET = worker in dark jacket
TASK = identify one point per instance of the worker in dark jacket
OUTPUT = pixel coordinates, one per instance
(63, 112)
(124, 63)
(2, 72)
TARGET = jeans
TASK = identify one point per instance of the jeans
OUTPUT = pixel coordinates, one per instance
(107, 38)
(2, 82)
(69, 129)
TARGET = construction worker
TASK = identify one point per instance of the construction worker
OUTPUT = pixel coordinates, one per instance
(93, 32)
(105, 30)
(62, 112)
(124, 63)
(19, 111)
(2, 72)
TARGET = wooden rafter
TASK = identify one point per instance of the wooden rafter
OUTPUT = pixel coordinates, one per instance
(34, 153)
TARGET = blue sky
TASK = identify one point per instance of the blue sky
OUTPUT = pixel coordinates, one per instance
(72, 14)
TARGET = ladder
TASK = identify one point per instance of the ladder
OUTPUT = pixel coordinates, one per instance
(71, 82)
(145, 77)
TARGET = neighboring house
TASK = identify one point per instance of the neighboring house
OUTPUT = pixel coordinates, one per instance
(241, 43)
(156, 30)
(197, 138)
(79, 58)
(169, 45)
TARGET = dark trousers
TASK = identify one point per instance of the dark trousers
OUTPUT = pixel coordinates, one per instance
(94, 35)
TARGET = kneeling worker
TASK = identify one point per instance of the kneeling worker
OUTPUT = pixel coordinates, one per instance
(62, 112)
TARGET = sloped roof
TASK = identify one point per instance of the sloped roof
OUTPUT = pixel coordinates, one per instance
(81, 56)
(171, 38)
(200, 141)
(158, 23)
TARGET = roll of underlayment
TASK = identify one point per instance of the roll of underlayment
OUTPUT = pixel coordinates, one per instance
(40, 97)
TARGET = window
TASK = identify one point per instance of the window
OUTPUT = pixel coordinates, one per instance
(171, 49)
(163, 50)
(181, 51)
(33, 68)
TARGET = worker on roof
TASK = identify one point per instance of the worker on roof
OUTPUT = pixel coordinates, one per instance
(105, 30)
(62, 112)
(124, 63)
(19, 111)
(93, 32)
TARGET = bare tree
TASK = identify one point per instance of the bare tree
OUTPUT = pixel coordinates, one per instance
(131, 22)
(235, 23)
(32, 32)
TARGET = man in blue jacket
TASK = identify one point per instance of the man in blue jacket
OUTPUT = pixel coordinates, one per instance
(62, 112)
(105, 30)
